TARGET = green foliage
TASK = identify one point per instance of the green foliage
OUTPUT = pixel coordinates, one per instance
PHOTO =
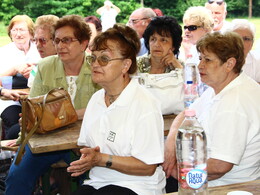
(7, 10)
(176, 8)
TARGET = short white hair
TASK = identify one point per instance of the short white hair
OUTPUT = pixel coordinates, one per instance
(243, 24)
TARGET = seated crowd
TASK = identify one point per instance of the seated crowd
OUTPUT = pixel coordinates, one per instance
(122, 81)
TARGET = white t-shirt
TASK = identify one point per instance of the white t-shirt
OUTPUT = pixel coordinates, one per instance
(108, 18)
(252, 66)
(131, 126)
(11, 56)
(231, 122)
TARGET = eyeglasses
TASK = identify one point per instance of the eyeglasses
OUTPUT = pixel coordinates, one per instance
(135, 21)
(16, 30)
(192, 27)
(219, 2)
(42, 41)
(102, 60)
(64, 40)
(247, 39)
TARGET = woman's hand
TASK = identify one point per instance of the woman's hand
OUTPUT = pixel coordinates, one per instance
(90, 157)
(170, 161)
(25, 69)
(12, 94)
(170, 60)
(12, 143)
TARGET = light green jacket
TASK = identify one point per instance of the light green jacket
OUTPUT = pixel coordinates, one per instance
(51, 75)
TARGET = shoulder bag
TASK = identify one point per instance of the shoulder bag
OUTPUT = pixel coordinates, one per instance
(45, 113)
(168, 88)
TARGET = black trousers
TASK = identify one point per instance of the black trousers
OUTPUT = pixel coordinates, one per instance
(10, 117)
(106, 190)
(171, 185)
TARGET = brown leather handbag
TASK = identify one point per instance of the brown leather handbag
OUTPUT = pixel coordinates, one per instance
(45, 113)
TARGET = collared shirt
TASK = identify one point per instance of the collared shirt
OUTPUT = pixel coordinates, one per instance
(252, 66)
(231, 122)
(130, 126)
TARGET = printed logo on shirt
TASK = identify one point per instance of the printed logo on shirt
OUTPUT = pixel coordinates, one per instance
(111, 136)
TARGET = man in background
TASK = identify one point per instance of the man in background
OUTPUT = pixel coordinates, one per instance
(139, 20)
(218, 10)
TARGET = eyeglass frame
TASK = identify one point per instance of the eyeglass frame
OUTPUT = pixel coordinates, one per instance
(42, 41)
(247, 39)
(16, 30)
(92, 59)
(135, 21)
(191, 27)
(63, 40)
(219, 2)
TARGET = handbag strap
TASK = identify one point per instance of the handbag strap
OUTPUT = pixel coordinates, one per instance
(34, 128)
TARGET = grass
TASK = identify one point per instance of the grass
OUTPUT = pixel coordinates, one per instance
(4, 39)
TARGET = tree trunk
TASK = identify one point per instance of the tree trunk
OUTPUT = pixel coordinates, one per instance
(250, 9)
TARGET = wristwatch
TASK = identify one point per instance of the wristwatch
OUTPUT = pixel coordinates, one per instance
(109, 162)
(1, 91)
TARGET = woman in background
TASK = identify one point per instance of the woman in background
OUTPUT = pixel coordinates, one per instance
(162, 38)
(17, 59)
(69, 70)
(246, 30)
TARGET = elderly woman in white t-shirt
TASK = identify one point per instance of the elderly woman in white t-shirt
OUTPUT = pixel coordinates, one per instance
(122, 129)
(246, 30)
(17, 59)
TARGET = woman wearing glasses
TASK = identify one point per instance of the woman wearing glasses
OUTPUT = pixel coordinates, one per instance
(44, 31)
(121, 133)
(247, 30)
(197, 23)
(17, 60)
(67, 69)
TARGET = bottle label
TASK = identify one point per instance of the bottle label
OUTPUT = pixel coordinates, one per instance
(196, 178)
(193, 178)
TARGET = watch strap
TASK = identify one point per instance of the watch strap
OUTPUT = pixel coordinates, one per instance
(109, 162)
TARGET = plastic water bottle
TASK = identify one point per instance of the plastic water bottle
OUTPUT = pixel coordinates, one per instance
(190, 93)
(191, 148)
(190, 70)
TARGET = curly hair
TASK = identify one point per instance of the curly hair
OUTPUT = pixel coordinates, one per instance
(199, 15)
(127, 39)
(164, 26)
(81, 29)
(224, 46)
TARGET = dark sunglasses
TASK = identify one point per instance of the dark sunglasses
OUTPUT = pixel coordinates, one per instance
(219, 2)
(192, 27)
(102, 60)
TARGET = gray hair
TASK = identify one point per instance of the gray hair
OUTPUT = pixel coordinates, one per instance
(243, 24)
(146, 12)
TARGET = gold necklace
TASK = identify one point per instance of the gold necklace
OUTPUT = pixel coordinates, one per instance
(112, 98)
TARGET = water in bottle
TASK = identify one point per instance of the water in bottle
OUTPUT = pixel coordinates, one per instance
(191, 149)
(190, 70)
(190, 93)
